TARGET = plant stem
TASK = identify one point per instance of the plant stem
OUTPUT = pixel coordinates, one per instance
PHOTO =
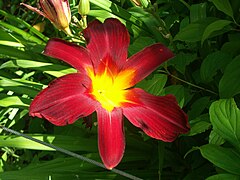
(186, 82)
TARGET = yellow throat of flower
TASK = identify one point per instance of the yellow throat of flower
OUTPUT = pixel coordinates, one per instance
(110, 90)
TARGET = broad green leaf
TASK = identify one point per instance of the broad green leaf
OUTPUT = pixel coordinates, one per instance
(213, 27)
(199, 125)
(181, 60)
(191, 33)
(231, 47)
(224, 6)
(156, 27)
(229, 84)
(212, 63)
(155, 84)
(225, 158)
(224, 116)
(177, 91)
(198, 107)
(197, 12)
(13, 101)
(139, 44)
(215, 138)
(223, 177)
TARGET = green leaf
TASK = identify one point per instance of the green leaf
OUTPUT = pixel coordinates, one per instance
(229, 84)
(67, 142)
(13, 101)
(212, 63)
(191, 33)
(198, 107)
(232, 47)
(25, 35)
(20, 21)
(103, 14)
(215, 138)
(8, 40)
(199, 125)
(18, 87)
(197, 12)
(213, 27)
(223, 177)
(181, 60)
(225, 158)
(59, 168)
(49, 68)
(224, 116)
(153, 85)
(13, 52)
(224, 6)
(106, 8)
(139, 44)
(177, 91)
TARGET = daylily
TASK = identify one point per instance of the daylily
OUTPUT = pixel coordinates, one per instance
(104, 83)
(57, 11)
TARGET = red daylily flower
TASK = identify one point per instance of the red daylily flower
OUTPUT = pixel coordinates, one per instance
(104, 83)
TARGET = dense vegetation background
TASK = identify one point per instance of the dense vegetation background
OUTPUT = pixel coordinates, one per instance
(204, 76)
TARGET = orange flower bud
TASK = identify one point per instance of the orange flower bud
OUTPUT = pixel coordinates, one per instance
(137, 2)
(57, 11)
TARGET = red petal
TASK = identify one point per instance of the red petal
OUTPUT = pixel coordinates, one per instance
(111, 142)
(108, 39)
(76, 56)
(159, 117)
(147, 60)
(63, 101)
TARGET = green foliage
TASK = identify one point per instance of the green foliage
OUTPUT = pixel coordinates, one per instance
(203, 75)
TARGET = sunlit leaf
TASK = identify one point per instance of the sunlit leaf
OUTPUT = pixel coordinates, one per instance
(225, 115)
(13, 101)
(215, 138)
(67, 142)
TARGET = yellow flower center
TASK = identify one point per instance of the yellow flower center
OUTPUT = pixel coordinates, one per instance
(108, 89)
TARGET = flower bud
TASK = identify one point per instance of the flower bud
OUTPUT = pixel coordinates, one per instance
(137, 2)
(57, 11)
(84, 7)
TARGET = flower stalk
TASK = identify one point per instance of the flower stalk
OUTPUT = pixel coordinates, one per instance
(83, 10)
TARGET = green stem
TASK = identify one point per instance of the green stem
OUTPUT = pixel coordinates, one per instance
(188, 83)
